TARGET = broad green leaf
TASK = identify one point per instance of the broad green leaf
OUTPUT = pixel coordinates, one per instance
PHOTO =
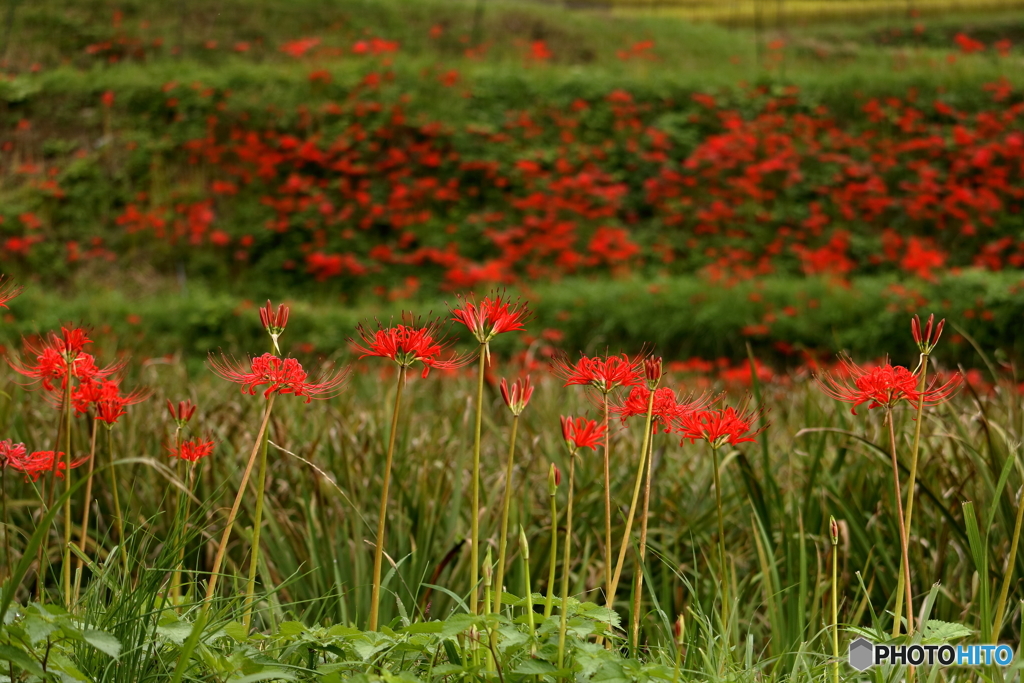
(20, 659)
(534, 667)
(103, 641)
(236, 631)
(174, 631)
(268, 675)
(290, 629)
(424, 627)
(935, 630)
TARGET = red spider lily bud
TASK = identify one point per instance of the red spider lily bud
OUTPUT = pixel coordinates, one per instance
(518, 395)
(652, 370)
(524, 545)
(181, 413)
(833, 528)
(274, 322)
(927, 340)
(487, 569)
(679, 630)
(554, 479)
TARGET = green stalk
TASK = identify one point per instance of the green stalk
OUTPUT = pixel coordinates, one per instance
(82, 537)
(524, 550)
(903, 530)
(724, 567)
(505, 506)
(118, 520)
(835, 611)
(632, 506)
(900, 588)
(51, 488)
(7, 524)
(211, 588)
(261, 482)
(638, 586)
(474, 549)
(176, 576)
(1008, 574)
(549, 599)
(378, 553)
(566, 565)
(607, 501)
(66, 567)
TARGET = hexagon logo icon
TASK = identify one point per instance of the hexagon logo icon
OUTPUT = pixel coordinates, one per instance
(862, 654)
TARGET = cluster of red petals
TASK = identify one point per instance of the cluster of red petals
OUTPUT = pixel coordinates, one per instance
(279, 375)
(8, 290)
(581, 432)
(38, 463)
(517, 395)
(604, 374)
(406, 344)
(57, 354)
(884, 385)
(192, 450)
(105, 397)
(719, 426)
(667, 407)
(491, 317)
(11, 453)
(274, 321)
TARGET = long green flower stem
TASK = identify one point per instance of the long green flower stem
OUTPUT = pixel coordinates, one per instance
(566, 565)
(257, 523)
(67, 500)
(474, 512)
(211, 588)
(118, 519)
(607, 502)
(524, 551)
(549, 599)
(1008, 574)
(378, 553)
(51, 488)
(180, 563)
(903, 530)
(638, 583)
(84, 535)
(610, 602)
(723, 564)
(835, 611)
(912, 484)
(505, 506)
(7, 525)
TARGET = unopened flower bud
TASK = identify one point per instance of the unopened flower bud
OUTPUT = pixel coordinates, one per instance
(273, 321)
(554, 479)
(524, 545)
(928, 338)
(487, 568)
(679, 630)
(652, 371)
(833, 527)
(182, 412)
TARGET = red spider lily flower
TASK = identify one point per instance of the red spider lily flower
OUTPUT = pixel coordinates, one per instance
(718, 426)
(39, 463)
(518, 395)
(11, 453)
(581, 433)
(885, 386)
(491, 317)
(192, 450)
(604, 374)
(667, 406)
(181, 413)
(406, 344)
(927, 341)
(57, 354)
(8, 290)
(280, 375)
(111, 403)
(274, 322)
(554, 478)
